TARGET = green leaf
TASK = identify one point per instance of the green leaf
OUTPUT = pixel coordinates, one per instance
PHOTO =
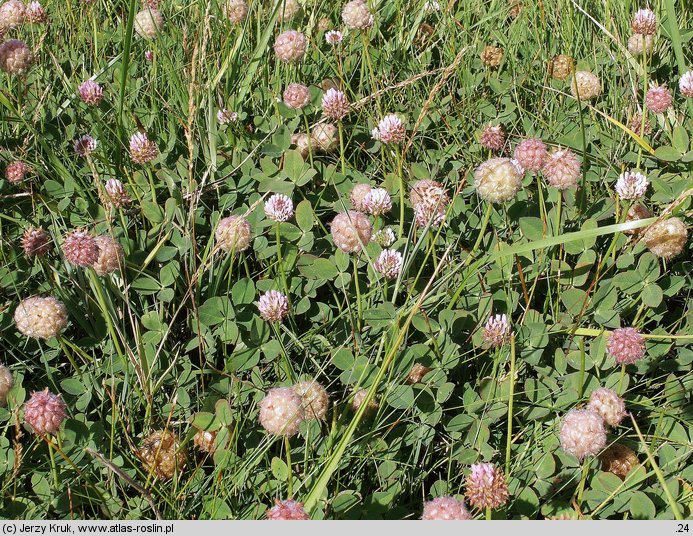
(304, 215)
(651, 295)
(243, 292)
(667, 153)
(641, 507)
(280, 470)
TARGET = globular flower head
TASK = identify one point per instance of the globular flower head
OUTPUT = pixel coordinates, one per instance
(281, 411)
(12, 15)
(389, 263)
(356, 16)
(233, 233)
(358, 196)
(417, 373)
(636, 125)
(16, 171)
(149, 23)
(445, 509)
(44, 412)
(80, 248)
(360, 398)
(631, 185)
(279, 208)
(142, 149)
(486, 486)
(618, 459)
(492, 137)
(391, 130)
(325, 137)
(561, 66)
(288, 10)
(351, 231)
(205, 441)
(585, 85)
(658, 99)
(302, 142)
(162, 454)
(636, 212)
(324, 24)
(149, 56)
(608, 404)
(273, 306)
(288, 510)
(90, 92)
(236, 11)
(335, 104)
(110, 255)
(430, 201)
(492, 56)
(582, 433)
(85, 145)
(6, 383)
(15, 57)
(640, 44)
(35, 242)
(666, 238)
(377, 202)
(40, 318)
(497, 180)
(644, 22)
(35, 13)
(686, 84)
(626, 346)
(385, 237)
(314, 398)
(333, 37)
(290, 46)
(497, 331)
(296, 96)
(562, 169)
(225, 116)
(531, 154)
(116, 192)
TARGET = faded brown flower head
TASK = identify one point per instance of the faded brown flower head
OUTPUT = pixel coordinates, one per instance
(585, 85)
(666, 238)
(236, 11)
(162, 454)
(205, 441)
(351, 231)
(417, 373)
(619, 460)
(492, 56)
(324, 137)
(314, 398)
(636, 212)
(360, 398)
(110, 255)
(561, 66)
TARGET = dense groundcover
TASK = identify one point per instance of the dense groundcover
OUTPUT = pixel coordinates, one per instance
(447, 273)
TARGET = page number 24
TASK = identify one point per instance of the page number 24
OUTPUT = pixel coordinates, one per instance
(681, 527)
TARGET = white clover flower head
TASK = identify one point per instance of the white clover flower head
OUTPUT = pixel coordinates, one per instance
(225, 116)
(375, 134)
(431, 5)
(631, 185)
(273, 306)
(497, 331)
(377, 202)
(333, 37)
(686, 84)
(389, 263)
(391, 129)
(335, 104)
(279, 207)
(85, 145)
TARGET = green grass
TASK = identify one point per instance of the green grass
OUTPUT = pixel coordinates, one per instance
(175, 340)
